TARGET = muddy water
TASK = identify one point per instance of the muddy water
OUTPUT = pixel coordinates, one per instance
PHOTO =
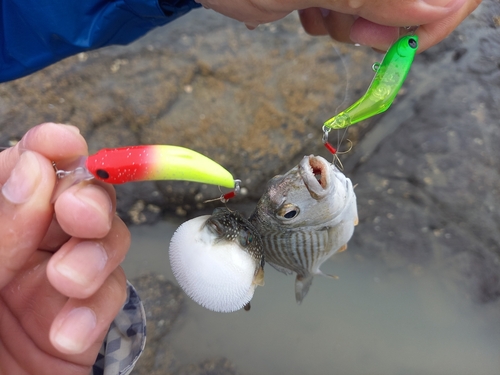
(369, 321)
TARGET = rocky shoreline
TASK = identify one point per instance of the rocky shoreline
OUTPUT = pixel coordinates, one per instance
(427, 171)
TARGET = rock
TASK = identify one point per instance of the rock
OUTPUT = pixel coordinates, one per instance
(220, 366)
(252, 101)
(157, 359)
(162, 301)
(427, 170)
(429, 182)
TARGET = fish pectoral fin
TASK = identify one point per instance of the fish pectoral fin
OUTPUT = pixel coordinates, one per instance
(335, 277)
(342, 248)
(302, 285)
(258, 279)
(356, 221)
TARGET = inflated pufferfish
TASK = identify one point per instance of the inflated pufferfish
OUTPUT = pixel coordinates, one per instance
(218, 260)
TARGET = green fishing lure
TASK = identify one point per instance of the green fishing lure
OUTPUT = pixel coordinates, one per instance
(389, 77)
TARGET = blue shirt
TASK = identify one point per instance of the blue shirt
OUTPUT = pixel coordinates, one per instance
(37, 33)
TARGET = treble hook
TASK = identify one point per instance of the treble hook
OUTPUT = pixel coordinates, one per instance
(224, 198)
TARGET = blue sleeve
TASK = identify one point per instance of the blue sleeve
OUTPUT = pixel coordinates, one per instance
(37, 33)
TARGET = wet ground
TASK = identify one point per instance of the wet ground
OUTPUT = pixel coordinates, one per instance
(426, 254)
(372, 320)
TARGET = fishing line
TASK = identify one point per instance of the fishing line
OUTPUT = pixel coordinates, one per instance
(334, 150)
(346, 95)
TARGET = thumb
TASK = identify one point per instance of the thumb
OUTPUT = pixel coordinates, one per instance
(25, 210)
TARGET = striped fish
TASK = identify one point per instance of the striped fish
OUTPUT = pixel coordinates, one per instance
(304, 217)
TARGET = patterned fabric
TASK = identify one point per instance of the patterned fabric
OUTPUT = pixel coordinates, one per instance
(126, 339)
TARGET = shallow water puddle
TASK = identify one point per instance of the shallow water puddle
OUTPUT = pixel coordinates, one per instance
(369, 321)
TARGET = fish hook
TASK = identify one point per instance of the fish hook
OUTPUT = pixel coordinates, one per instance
(333, 150)
(224, 198)
(338, 163)
(336, 159)
(351, 145)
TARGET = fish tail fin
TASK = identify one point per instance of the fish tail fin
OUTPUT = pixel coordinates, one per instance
(302, 284)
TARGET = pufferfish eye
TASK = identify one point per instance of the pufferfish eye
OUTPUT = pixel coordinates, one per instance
(245, 238)
(215, 227)
(288, 211)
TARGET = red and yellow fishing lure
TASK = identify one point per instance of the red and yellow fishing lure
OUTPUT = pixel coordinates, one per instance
(158, 162)
(143, 163)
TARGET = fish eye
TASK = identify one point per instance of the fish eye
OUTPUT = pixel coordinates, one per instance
(101, 173)
(288, 211)
(412, 43)
(245, 238)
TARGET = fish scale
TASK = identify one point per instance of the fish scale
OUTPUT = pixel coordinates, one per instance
(304, 249)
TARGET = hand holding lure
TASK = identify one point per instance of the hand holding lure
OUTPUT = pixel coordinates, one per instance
(141, 163)
(389, 77)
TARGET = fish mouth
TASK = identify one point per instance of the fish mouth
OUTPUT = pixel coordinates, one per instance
(315, 172)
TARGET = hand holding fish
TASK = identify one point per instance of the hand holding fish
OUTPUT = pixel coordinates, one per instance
(367, 22)
(60, 281)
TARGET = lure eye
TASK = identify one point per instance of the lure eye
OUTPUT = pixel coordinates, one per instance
(288, 211)
(412, 43)
(101, 173)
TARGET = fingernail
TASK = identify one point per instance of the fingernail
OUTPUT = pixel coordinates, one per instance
(33, 135)
(72, 128)
(83, 263)
(62, 127)
(324, 12)
(74, 331)
(23, 179)
(442, 3)
(251, 26)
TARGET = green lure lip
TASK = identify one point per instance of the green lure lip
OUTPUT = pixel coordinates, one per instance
(389, 77)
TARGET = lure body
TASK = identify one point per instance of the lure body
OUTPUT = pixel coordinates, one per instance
(156, 162)
(390, 76)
